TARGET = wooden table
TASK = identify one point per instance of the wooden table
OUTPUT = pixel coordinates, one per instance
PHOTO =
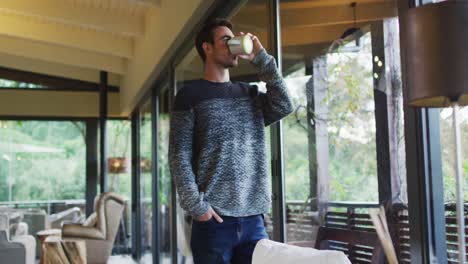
(43, 235)
(58, 251)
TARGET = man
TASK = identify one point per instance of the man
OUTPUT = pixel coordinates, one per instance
(217, 148)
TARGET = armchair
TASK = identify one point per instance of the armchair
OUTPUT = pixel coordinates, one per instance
(100, 229)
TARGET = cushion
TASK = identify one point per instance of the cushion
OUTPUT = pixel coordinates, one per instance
(271, 252)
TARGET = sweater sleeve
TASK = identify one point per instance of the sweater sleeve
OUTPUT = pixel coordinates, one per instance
(180, 158)
(276, 102)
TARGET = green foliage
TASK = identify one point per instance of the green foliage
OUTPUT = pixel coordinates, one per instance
(448, 152)
(16, 84)
(163, 161)
(351, 129)
(41, 160)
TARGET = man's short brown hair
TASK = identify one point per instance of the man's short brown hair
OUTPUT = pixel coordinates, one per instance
(207, 34)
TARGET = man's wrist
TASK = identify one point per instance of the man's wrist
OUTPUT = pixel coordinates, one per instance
(203, 209)
(260, 59)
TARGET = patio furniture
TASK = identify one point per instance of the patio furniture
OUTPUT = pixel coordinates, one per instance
(351, 242)
(43, 235)
(58, 251)
(19, 250)
(9, 216)
(38, 220)
(100, 229)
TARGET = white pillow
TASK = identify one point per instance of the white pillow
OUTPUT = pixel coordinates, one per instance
(271, 252)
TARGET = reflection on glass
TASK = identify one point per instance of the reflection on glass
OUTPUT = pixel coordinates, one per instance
(146, 181)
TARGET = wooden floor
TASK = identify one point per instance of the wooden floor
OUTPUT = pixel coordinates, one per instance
(126, 259)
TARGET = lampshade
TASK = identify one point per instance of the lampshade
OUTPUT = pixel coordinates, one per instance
(437, 54)
(118, 165)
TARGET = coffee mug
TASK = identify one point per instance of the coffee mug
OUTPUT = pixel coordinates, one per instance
(241, 45)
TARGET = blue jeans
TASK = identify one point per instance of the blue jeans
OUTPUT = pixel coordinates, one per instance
(232, 241)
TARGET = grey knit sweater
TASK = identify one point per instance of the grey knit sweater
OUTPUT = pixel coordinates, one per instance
(217, 148)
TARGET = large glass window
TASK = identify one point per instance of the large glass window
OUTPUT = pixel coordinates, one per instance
(43, 171)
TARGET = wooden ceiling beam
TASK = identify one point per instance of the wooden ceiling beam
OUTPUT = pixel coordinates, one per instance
(52, 82)
(104, 43)
(63, 55)
(55, 69)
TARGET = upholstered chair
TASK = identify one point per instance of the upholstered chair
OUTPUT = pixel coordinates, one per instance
(99, 229)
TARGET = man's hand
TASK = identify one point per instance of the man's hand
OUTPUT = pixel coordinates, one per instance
(208, 215)
(257, 46)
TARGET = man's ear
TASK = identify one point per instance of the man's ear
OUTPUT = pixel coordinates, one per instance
(207, 47)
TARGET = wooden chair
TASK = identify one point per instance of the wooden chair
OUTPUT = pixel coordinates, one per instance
(359, 246)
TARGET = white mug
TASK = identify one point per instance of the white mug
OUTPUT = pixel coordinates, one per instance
(241, 45)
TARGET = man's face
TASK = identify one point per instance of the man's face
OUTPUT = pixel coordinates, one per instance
(219, 52)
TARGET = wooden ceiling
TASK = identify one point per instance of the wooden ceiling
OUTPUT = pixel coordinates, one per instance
(71, 38)
(71, 41)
